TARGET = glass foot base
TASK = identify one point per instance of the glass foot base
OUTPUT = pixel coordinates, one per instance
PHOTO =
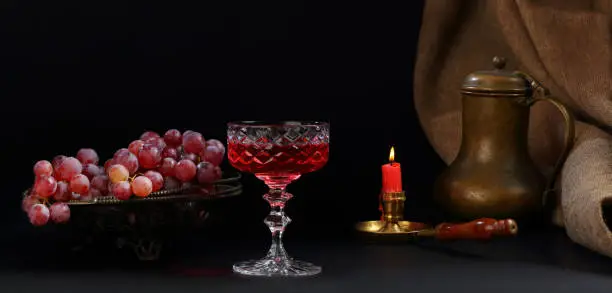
(271, 268)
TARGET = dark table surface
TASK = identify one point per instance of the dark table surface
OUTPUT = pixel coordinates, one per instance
(536, 261)
(35, 260)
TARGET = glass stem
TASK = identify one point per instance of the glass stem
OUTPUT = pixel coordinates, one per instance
(277, 221)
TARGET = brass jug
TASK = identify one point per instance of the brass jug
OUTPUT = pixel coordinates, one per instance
(493, 174)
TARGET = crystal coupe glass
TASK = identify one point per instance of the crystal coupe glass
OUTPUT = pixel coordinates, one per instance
(278, 154)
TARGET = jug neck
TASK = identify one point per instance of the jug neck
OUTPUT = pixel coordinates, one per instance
(494, 127)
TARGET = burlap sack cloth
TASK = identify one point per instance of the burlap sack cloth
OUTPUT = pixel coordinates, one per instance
(564, 44)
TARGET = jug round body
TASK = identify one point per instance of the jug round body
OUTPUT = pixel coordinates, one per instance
(493, 174)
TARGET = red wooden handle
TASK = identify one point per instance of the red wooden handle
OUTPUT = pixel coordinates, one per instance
(482, 229)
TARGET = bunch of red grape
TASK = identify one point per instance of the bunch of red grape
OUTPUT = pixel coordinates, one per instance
(149, 164)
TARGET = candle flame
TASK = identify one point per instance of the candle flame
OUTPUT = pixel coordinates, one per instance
(392, 154)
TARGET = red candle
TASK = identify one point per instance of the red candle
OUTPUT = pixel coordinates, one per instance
(392, 175)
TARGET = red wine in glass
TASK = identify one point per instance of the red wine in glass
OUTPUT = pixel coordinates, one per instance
(277, 154)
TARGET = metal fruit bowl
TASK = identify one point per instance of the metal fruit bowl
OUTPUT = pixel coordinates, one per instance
(226, 187)
(147, 224)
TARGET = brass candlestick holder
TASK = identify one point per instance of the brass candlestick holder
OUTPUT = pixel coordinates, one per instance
(393, 227)
(392, 223)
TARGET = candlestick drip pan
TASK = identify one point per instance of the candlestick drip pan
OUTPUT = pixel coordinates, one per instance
(385, 228)
(392, 224)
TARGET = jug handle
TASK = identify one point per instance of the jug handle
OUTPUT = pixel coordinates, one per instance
(540, 93)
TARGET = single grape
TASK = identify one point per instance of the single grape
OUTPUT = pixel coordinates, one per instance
(190, 157)
(38, 214)
(156, 142)
(149, 157)
(109, 187)
(45, 186)
(91, 170)
(87, 156)
(100, 183)
(60, 212)
(122, 190)
(193, 143)
(79, 184)
(185, 170)
(68, 168)
(166, 168)
(108, 163)
(117, 173)
(129, 161)
(156, 179)
(171, 183)
(57, 160)
(85, 197)
(28, 201)
(95, 193)
(43, 168)
(149, 134)
(170, 152)
(216, 143)
(135, 146)
(173, 137)
(120, 152)
(62, 193)
(213, 155)
(208, 173)
(142, 186)
(91, 195)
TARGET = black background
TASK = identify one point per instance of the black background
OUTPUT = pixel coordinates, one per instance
(98, 73)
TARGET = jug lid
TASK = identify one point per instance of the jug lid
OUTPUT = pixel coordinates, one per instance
(496, 82)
